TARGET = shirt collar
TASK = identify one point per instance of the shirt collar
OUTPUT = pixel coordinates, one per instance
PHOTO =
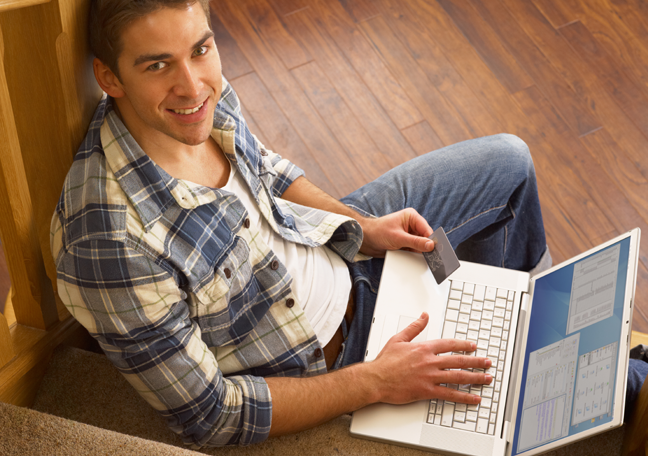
(148, 187)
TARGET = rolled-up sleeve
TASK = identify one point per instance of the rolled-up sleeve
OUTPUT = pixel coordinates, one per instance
(136, 310)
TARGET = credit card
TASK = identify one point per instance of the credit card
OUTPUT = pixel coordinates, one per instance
(442, 261)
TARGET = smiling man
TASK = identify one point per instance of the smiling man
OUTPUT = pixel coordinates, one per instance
(234, 295)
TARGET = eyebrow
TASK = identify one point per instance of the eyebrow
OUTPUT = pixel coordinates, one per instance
(156, 57)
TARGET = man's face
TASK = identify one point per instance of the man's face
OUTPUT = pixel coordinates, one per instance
(171, 77)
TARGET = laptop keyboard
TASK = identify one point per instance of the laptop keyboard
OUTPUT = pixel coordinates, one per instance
(483, 315)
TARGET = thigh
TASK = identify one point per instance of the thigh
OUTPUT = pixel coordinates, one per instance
(452, 186)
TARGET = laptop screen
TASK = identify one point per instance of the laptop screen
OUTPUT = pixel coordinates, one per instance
(572, 344)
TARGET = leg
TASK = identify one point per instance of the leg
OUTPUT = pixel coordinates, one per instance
(483, 192)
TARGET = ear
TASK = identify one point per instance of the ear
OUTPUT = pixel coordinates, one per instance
(107, 80)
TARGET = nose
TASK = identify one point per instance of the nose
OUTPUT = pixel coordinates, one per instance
(188, 83)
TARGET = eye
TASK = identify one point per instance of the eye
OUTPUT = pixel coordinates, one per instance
(202, 50)
(157, 66)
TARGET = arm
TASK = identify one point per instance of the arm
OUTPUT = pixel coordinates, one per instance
(403, 372)
(405, 229)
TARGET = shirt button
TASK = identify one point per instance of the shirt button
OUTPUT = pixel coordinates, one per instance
(274, 265)
(290, 302)
(227, 272)
(264, 153)
(318, 353)
(246, 223)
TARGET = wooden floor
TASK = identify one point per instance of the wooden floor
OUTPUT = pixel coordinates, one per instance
(349, 88)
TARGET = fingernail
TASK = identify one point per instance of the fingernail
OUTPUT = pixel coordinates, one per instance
(422, 316)
(473, 346)
(476, 399)
(489, 378)
(429, 245)
(489, 363)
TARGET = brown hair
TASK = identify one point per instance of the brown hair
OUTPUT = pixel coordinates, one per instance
(109, 18)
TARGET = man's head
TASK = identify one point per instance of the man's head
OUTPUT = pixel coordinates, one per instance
(159, 61)
(109, 18)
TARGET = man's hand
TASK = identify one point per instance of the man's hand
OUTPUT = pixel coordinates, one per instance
(406, 372)
(402, 230)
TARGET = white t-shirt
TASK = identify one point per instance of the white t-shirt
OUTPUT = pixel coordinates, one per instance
(321, 280)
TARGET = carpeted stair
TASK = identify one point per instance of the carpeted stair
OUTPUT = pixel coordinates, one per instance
(85, 407)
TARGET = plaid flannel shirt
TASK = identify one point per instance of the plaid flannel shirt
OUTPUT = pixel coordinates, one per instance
(185, 299)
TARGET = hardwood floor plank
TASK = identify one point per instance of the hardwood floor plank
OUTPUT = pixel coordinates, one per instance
(573, 108)
(629, 97)
(286, 7)
(479, 33)
(584, 79)
(273, 124)
(360, 10)
(359, 52)
(559, 13)
(233, 61)
(593, 174)
(640, 314)
(269, 26)
(439, 69)
(422, 138)
(342, 122)
(292, 101)
(348, 83)
(442, 116)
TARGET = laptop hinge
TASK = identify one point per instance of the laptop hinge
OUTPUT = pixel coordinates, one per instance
(507, 434)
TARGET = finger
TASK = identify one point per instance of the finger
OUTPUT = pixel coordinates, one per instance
(464, 362)
(417, 224)
(453, 345)
(462, 377)
(413, 329)
(415, 243)
(453, 395)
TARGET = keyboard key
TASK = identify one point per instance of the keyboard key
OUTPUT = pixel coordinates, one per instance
(477, 305)
(430, 419)
(486, 324)
(453, 304)
(437, 420)
(499, 312)
(473, 408)
(500, 366)
(507, 325)
(433, 405)
(484, 334)
(461, 407)
(497, 332)
(485, 403)
(469, 288)
(439, 408)
(475, 389)
(482, 425)
(460, 416)
(502, 293)
(474, 325)
(498, 386)
(471, 416)
(493, 351)
(480, 292)
(487, 315)
(481, 353)
(498, 322)
(465, 308)
(460, 336)
(484, 412)
(456, 285)
(482, 344)
(507, 315)
(464, 318)
(498, 377)
(472, 335)
(493, 418)
(467, 426)
(511, 295)
(492, 371)
(451, 315)
(449, 329)
(446, 416)
(495, 342)
(491, 429)
(495, 397)
(499, 302)
(489, 305)
(466, 299)
(455, 294)
(462, 328)
(491, 293)
(503, 345)
(509, 305)
(475, 315)
(487, 391)
(505, 335)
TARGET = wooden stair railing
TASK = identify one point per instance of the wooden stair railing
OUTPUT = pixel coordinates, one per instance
(47, 97)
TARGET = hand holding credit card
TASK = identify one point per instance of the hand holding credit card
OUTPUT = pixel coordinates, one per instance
(442, 261)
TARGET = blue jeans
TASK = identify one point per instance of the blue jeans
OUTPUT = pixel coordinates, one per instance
(482, 192)
(637, 372)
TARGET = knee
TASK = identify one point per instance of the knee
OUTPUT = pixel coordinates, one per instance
(513, 153)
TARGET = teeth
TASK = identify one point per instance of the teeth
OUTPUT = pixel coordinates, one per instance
(189, 111)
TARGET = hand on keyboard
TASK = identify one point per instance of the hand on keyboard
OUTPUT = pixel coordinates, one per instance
(406, 371)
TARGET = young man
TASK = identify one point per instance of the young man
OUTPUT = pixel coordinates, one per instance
(227, 289)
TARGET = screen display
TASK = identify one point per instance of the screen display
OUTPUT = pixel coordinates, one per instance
(572, 345)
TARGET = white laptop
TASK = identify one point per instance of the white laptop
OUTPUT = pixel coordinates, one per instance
(559, 343)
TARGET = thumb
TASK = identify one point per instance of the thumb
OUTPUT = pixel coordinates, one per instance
(413, 329)
(418, 243)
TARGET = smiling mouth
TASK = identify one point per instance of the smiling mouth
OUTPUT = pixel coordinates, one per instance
(188, 111)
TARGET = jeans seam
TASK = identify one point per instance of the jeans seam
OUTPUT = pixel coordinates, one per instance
(476, 216)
